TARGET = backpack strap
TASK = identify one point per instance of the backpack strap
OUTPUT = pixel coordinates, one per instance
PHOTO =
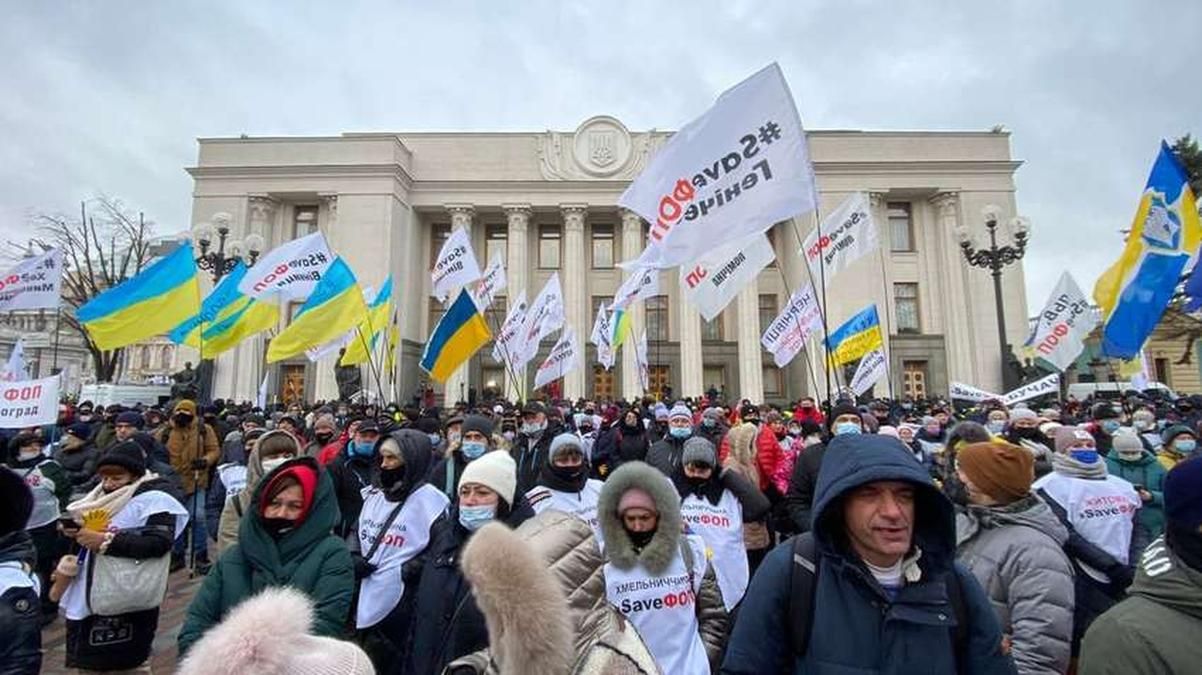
(803, 576)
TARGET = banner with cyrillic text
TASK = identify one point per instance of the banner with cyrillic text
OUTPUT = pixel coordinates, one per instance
(1040, 387)
(844, 236)
(29, 403)
(34, 283)
(544, 317)
(455, 267)
(1064, 323)
(505, 343)
(564, 358)
(289, 271)
(602, 337)
(642, 283)
(871, 369)
(965, 392)
(492, 282)
(640, 359)
(714, 280)
(788, 332)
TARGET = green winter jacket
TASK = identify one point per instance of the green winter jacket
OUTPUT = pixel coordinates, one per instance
(1155, 630)
(1148, 472)
(309, 559)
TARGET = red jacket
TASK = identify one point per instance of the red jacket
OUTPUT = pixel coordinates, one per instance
(768, 455)
(811, 415)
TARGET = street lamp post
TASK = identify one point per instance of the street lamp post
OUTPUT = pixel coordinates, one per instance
(995, 258)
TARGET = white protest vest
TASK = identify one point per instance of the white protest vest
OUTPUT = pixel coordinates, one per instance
(721, 527)
(664, 609)
(233, 477)
(133, 515)
(581, 504)
(1102, 511)
(407, 536)
(45, 503)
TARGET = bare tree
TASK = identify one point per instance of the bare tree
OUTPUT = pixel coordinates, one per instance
(102, 246)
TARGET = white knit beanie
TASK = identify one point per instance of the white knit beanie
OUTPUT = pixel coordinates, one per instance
(680, 410)
(494, 470)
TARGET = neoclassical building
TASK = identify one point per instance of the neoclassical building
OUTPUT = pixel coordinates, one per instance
(546, 202)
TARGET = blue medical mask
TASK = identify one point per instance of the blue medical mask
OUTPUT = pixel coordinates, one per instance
(533, 428)
(1084, 455)
(360, 449)
(473, 449)
(847, 428)
(475, 517)
(1185, 445)
(996, 427)
(709, 422)
(1110, 426)
(435, 439)
(680, 432)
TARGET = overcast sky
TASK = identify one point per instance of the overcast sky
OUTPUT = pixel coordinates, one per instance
(109, 97)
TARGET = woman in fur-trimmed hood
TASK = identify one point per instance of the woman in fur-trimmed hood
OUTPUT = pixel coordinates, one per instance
(658, 576)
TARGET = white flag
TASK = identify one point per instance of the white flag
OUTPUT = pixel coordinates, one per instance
(733, 172)
(787, 333)
(871, 369)
(844, 236)
(544, 317)
(642, 283)
(964, 392)
(493, 281)
(1064, 323)
(289, 271)
(564, 358)
(505, 344)
(602, 337)
(640, 359)
(29, 403)
(1040, 387)
(717, 278)
(456, 265)
(261, 399)
(16, 369)
(34, 283)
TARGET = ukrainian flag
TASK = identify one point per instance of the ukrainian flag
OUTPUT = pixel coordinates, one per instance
(621, 323)
(218, 303)
(240, 320)
(335, 306)
(152, 303)
(1134, 292)
(370, 329)
(459, 334)
(856, 337)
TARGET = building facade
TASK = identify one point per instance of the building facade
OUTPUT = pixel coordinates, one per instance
(546, 203)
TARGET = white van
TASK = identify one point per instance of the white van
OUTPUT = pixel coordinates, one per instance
(1110, 390)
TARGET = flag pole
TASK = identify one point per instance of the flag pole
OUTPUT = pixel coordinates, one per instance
(370, 364)
(888, 323)
(826, 365)
(785, 281)
(491, 315)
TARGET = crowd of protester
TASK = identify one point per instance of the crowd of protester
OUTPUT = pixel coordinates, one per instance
(688, 536)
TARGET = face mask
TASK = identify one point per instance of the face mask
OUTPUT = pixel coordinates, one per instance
(996, 427)
(1084, 455)
(794, 431)
(1185, 446)
(277, 527)
(641, 539)
(680, 432)
(533, 428)
(473, 449)
(569, 474)
(390, 477)
(435, 439)
(708, 422)
(269, 465)
(508, 436)
(475, 517)
(1143, 425)
(323, 437)
(182, 420)
(26, 455)
(844, 428)
(360, 449)
(1026, 432)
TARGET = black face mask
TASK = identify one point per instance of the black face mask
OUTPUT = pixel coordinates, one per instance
(640, 539)
(567, 478)
(390, 477)
(278, 527)
(1026, 432)
(323, 437)
(182, 420)
(1186, 544)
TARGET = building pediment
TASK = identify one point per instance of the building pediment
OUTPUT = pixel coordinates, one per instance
(601, 148)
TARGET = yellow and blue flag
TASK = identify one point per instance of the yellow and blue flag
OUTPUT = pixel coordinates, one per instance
(1135, 291)
(242, 319)
(621, 324)
(152, 303)
(856, 337)
(459, 334)
(369, 331)
(335, 306)
(216, 303)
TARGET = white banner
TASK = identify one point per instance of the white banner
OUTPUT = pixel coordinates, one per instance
(1040, 387)
(16, 369)
(733, 172)
(289, 271)
(456, 265)
(964, 392)
(493, 281)
(544, 317)
(789, 330)
(504, 347)
(718, 277)
(871, 369)
(640, 360)
(1064, 323)
(643, 283)
(844, 236)
(29, 403)
(35, 283)
(261, 398)
(602, 337)
(563, 359)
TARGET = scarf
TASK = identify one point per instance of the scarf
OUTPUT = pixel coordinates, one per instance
(1066, 465)
(109, 503)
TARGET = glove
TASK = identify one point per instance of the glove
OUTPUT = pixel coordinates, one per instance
(200, 463)
(1121, 576)
(363, 568)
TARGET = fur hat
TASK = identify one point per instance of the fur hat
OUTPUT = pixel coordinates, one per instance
(269, 634)
(127, 455)
(1000, 470)
(639, 477)
(494, 470)
(698, 450)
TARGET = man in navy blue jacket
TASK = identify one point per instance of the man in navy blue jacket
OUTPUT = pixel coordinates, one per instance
(881, 561)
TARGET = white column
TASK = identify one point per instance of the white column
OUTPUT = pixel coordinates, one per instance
(325, 387)
(576, 304)
(456, 387)
(690, 349)
(958, 338)
(518, 216)
(751, 366)
(632, 244)
(885, 306)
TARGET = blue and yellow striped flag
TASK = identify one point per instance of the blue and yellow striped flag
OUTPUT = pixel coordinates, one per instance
(242, 319)
(856, 337)
(152, 303)
(1135, 291)
(459, 334)
(369, 331)
(621, 324)
(335, 306)
(216, 304)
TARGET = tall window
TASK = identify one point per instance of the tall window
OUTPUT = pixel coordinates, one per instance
(905, 304)
(549, 237)
(657, 318)
(438, 236)
(304, 220)
(768, 310)
(772, 381)
(901, 227)
(712, 330)
(496, 242)
(603, 247)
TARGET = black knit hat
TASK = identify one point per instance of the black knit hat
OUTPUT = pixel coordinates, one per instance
(127, 455)
(16, 502)
(842, 408)
(478, 423)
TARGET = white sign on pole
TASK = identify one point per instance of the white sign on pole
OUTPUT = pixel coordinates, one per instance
(564, 358)
(289, 271)
(964, 392)
(35, 283)
(505, 345)
(602, 337)
(544, 317)
(640, 358)
(717, 278)
(1064, 323)
(261, 399)
(731, 173)
(16, 369)
(843, 237)
(1040, 387)
(456, 265)
(642, 283)
(787, 333)
(493, 281)
(29, 403)
(871, 369)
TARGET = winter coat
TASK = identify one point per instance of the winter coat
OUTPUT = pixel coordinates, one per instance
(20, 609)
(307, 558)
(665, 454)
(546, 580)
(1156, 629)
(349, 474)
(1149, 473)
(234, 507)
(799, 499)
(1016, 553)
(616, 445)
(80, 464)
(446, 473)
(183, 448)
(768, 453)
(530, 454)
(855, 626)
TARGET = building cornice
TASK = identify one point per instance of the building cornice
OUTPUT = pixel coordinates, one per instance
(395, 171)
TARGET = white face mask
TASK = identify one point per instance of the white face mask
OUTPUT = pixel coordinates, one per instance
(26, 455)
(269, 465)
